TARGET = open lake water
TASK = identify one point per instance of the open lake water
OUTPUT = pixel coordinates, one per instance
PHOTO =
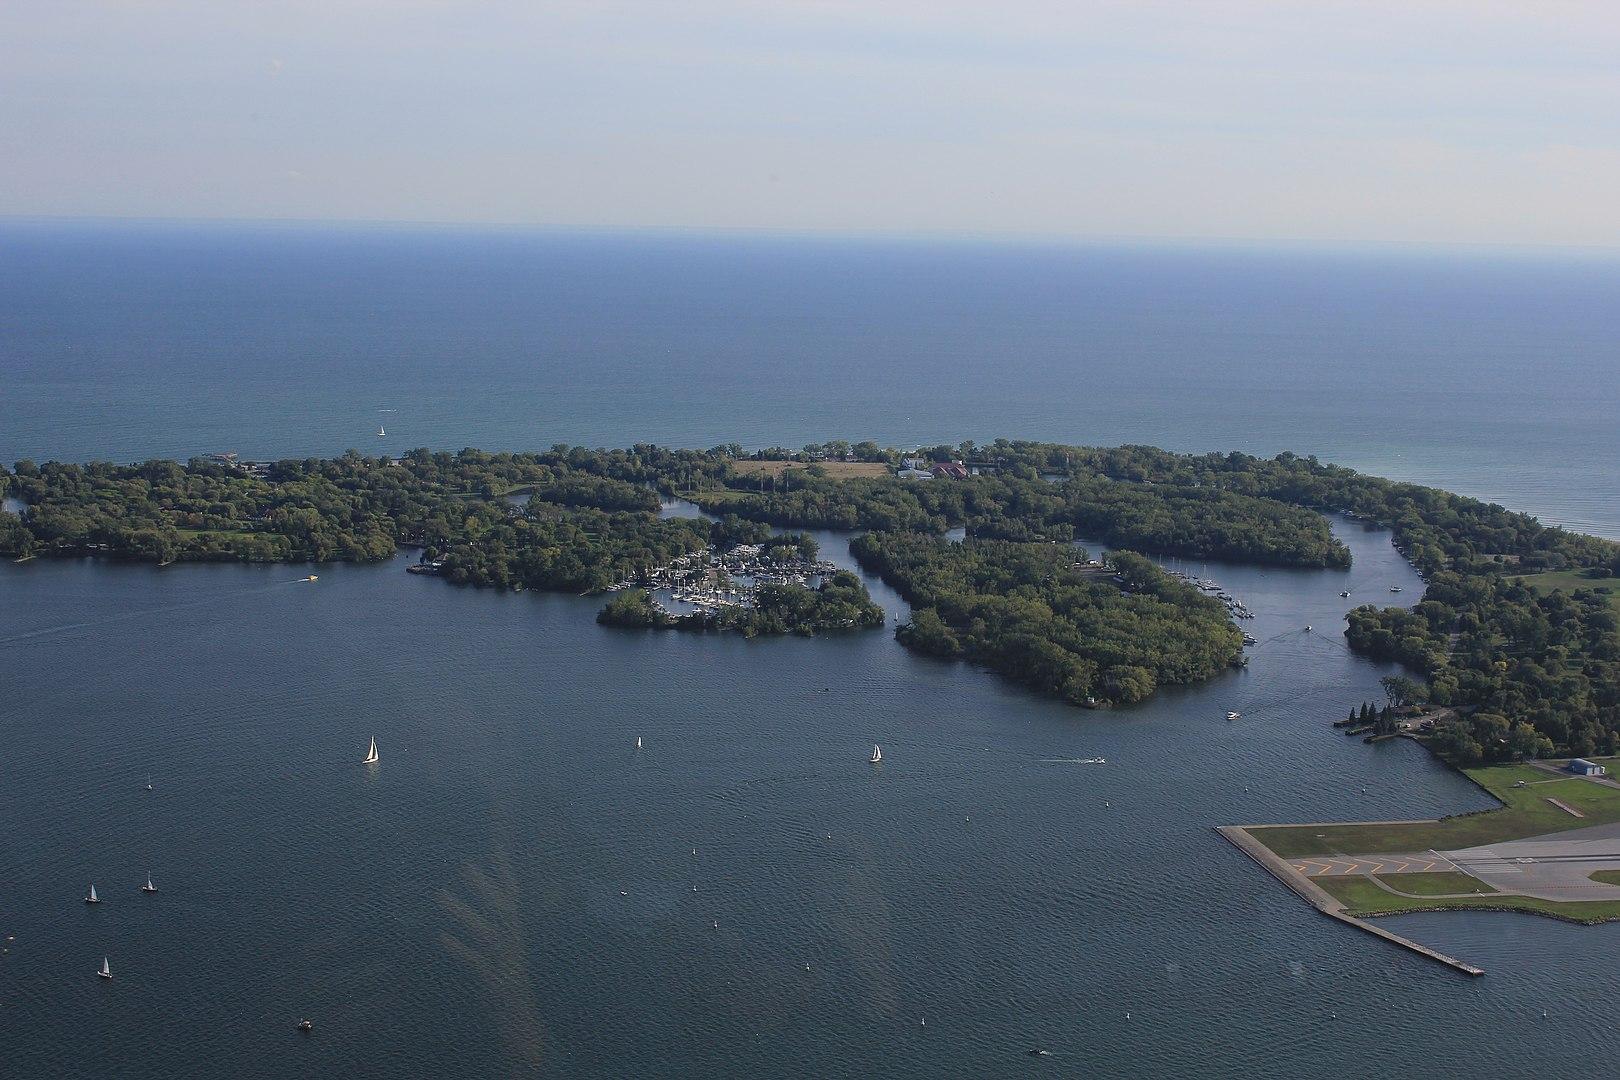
(511, 890)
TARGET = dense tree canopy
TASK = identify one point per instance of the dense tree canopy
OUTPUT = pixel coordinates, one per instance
(1493, 645)
(1036, 613)
(579, 519)
(1187, 520)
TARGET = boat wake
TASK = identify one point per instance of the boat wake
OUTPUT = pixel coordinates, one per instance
(1074, 761)
(125, 616)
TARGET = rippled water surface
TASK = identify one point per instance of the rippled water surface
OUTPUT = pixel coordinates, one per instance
(515, 890)
(513, 886)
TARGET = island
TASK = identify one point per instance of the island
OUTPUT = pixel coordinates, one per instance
(1513, 651)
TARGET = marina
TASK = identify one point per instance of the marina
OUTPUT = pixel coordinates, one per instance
(707, 580)
(1234, 607)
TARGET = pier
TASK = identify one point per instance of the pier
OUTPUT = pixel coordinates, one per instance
(1322, 901)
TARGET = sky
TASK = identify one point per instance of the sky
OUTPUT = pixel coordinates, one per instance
(1415, 121)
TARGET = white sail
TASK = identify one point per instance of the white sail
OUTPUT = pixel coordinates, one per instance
(92, 897)
(371, 755)
(106, 969)
(877, 753)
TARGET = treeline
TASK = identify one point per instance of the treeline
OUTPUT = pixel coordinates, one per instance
(1507, 655)
(569, 550)
(1435, 529)
(1199, 522)
(1489, 645)
(1035, 613)
(351, 508)
(161, 511)
(839, 604)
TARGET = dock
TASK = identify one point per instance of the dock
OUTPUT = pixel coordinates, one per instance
(1323, 901)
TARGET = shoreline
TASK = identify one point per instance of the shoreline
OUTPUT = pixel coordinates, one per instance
(1323, 901)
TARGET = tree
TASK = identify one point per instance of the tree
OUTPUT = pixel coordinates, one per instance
(1400, 690)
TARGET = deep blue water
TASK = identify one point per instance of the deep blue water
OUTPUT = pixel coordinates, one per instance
(510, 891)
(1494, 375)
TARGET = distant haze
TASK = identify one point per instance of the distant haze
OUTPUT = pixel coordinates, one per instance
(1404, 120)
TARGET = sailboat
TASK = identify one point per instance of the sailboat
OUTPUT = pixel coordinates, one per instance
(877, 754)
(638, 742)
(106, 969)
(371, 755)
(92, 898)
(149, 887)
(380, 431)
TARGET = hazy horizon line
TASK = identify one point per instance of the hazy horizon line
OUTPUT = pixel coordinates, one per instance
(998, 238)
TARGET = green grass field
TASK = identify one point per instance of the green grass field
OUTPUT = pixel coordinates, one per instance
(1437, 884)
(216, 532)
(1570, 580)
(1606, 877)
(1526, 813)
(1362, 898)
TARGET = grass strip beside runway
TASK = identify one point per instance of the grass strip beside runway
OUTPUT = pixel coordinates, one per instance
(1525, 812)
(1439, 883)
(1363, 899)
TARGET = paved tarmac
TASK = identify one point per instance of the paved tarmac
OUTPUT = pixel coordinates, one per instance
(1555, 866)
(1419, 863)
